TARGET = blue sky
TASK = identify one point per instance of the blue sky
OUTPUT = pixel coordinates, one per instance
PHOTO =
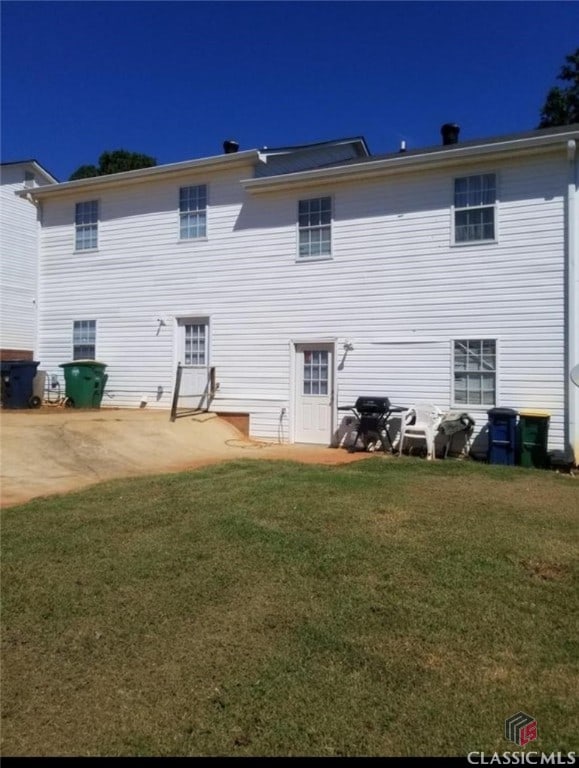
(174, 79)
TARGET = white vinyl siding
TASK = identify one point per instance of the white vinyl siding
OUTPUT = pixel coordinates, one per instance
(315, 227)
(474, 208)
(193, 212)
(19, 235)
(84, 340)
(86, 225)
(475, 369)
(400, 291)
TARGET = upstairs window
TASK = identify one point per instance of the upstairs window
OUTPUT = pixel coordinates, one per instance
(475, 208)
(193, 212)
(86, 225)
(475, 371)
(315, 227)
(84, 340)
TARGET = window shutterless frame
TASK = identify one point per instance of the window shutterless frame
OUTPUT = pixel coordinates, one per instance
(474, 372)
(86, 225)
(193, 206)
(474, 208)
(84, 340)
(314, 228)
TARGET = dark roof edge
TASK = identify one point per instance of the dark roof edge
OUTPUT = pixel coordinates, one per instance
(30, 162)
(348, 139)
(540, 140)
(489, 141)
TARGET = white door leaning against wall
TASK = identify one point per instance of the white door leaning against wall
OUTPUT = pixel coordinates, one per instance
(314, 393)
(193, 354)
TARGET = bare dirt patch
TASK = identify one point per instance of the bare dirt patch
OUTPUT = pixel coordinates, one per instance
(57, 451)
(545, 571)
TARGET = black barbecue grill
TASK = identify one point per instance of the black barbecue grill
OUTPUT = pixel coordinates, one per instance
(372, 414)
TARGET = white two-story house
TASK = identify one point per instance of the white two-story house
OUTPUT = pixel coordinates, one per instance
(307, 276)
(19, 234)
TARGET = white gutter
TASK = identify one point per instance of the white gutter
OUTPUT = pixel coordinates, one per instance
(217, 162)
(572, 352)
(367, 169)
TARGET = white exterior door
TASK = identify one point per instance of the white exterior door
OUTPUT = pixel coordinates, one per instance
(193, 343)
(314, 393)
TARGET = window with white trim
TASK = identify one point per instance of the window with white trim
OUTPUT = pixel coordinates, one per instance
(475, 208)
(86, 225)
(193, 212)
(475, 371)
(84, 340)
(315, 227)
(195, 343)
(316, 372)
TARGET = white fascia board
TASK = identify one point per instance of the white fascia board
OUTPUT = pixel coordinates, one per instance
(454, 156)
(219, 162)
(43, 172)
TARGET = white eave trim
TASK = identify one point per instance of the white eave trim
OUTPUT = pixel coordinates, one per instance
(453, 156)
(42, 172)
(86, 186)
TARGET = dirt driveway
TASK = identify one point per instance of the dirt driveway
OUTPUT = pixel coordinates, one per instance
(54, 451)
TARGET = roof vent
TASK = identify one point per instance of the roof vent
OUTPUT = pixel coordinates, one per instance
(450, 133)
(230, 146)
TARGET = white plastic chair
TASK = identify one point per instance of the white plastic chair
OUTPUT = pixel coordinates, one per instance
(425, 417)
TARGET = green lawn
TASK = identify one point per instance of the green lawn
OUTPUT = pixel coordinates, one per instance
(386, 607)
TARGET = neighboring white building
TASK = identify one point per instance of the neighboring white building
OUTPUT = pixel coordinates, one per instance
(19, 257)
(308, 276)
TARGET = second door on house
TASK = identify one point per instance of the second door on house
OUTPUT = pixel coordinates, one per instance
(314, 393)
(193, 345)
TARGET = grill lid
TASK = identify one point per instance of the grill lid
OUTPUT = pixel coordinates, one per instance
(368, 404)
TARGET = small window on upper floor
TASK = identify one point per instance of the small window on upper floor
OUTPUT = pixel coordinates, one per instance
(84, 340)
(315, 227)
(193, 212)
(475, 208)
(29, 179)
(86, 225)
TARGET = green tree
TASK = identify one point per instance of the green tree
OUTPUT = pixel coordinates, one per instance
(115, 161)
(562, 104)
(85, 172)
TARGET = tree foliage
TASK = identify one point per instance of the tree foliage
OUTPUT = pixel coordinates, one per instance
(115, 161)
(562, 104)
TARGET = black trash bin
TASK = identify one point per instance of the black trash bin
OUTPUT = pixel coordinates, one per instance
(17, 383)
(502, 436)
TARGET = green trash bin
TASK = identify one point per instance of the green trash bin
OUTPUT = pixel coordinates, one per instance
(84, 383)
(533, 437)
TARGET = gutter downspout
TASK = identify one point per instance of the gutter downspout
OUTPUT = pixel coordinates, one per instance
(572, 352)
